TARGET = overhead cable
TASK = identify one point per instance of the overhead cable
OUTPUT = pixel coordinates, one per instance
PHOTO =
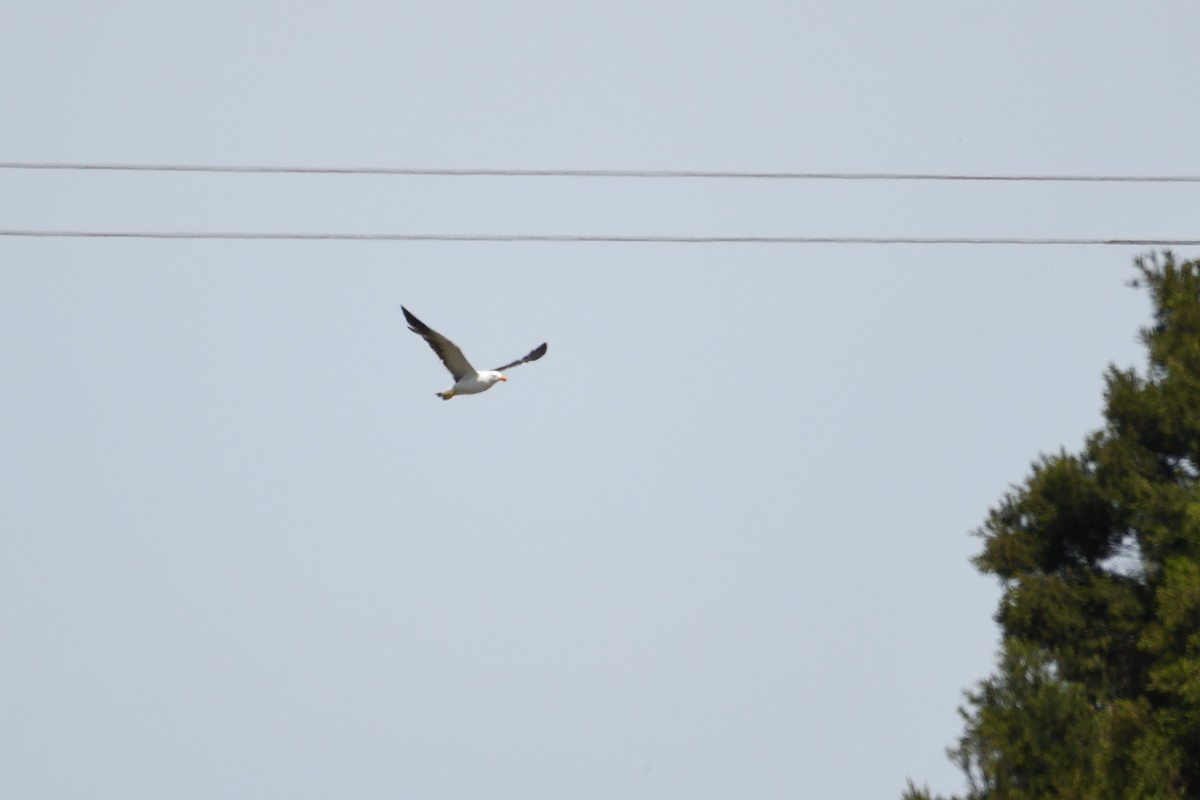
(606, 238)
(595, 173)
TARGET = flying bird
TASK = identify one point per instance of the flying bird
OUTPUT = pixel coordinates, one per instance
(467, 379)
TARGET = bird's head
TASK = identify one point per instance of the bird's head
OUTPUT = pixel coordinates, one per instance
(501, 378)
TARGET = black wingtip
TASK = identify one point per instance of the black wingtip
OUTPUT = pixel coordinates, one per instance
(415, 325)
(538, 352)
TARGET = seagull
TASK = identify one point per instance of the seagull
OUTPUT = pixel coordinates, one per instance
(467, 379)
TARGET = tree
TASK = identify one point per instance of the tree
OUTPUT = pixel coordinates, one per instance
(1097, 691)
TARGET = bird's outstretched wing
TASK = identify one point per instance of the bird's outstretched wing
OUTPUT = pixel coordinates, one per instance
(534, 355)
(446, 350)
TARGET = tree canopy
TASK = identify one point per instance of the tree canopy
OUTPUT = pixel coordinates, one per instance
(1096, 693)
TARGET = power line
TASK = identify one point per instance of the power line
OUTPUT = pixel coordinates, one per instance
(595, 173)
(607, 238)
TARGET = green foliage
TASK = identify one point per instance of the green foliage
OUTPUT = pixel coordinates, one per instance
(913, 793)
(1097, 691)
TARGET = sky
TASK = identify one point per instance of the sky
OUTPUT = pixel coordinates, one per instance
(715, 544)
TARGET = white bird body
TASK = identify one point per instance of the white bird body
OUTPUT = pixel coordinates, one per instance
(473, 384)
(467, 379)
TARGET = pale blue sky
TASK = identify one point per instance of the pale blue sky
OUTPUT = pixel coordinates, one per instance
(714, 545)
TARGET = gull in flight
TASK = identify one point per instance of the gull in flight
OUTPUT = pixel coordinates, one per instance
(467, 379)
